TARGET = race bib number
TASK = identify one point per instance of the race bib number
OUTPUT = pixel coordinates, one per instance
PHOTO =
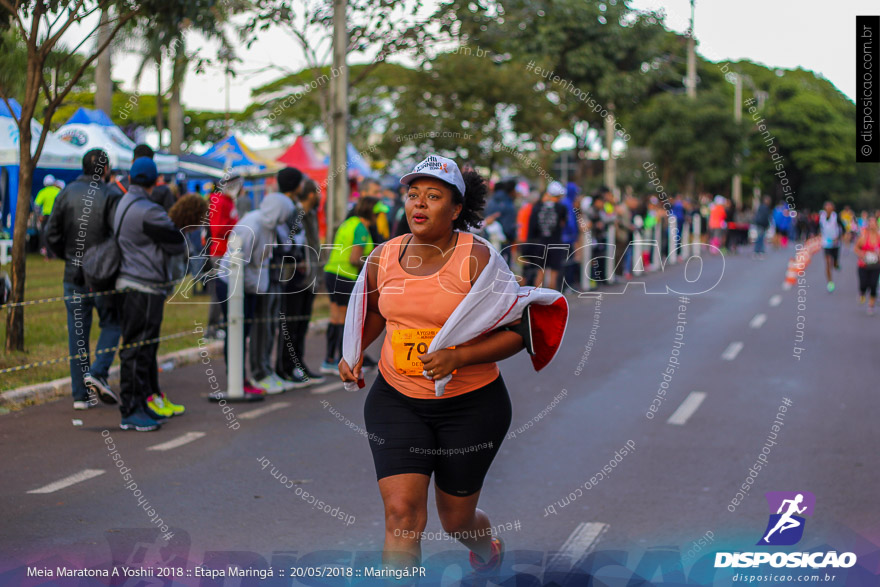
(829, 243)
(871, 258)
(407, 344)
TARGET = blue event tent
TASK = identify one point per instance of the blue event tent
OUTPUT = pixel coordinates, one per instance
(93, 129)
(236, 156)
(356, 163)
(57, 158)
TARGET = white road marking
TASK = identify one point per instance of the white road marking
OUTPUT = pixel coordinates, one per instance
(775, 300)
(758, 320)
(687, 408)
(583, 540)
(262, 411)
(732, 351)
(84, 475)
(327, 388)
(179, 441)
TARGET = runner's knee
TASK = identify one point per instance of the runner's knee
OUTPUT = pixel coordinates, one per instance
(405, 514)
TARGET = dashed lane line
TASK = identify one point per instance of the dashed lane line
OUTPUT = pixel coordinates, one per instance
(179, 441)
(687, 408)
(263, 411)
(83, 475)
(732, 351)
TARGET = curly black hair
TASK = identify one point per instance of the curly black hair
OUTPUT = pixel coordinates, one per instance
(472, 203)
(190, 210)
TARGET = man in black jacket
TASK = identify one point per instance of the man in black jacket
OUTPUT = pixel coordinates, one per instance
(147, 238)
(77, 223)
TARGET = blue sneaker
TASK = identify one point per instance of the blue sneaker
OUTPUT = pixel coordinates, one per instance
(139, 421)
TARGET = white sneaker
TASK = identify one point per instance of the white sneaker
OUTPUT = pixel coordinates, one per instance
(270, 384)
(81, 405)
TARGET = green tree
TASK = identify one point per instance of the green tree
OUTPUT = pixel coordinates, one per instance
(807, 121)
(41, 25)
(598, 49)
(690, 135)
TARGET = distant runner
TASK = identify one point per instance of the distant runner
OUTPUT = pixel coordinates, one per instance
(831, 230)
(868, 251)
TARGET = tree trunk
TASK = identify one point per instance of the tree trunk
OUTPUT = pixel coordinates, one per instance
(15, 316)
(160, 118)
(103, 82)
(175, 108)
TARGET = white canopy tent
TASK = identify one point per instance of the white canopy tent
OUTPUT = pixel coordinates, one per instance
(92, 129)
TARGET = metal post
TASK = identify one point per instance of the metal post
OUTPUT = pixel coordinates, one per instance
(672, 249)
(609, 260)
(656, 253)
(686, 238)
(638, 266)
(586, 260)
(697, 220)
(235, 329)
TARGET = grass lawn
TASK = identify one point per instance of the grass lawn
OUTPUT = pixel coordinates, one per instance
(45, 326)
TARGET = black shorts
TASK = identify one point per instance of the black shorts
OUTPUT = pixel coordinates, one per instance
(456, 439)
(339, 288)
(833, 252)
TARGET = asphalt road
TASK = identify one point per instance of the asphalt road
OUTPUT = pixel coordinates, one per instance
(734, 366)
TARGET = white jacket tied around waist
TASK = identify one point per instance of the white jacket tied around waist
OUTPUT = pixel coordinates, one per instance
(496, 299)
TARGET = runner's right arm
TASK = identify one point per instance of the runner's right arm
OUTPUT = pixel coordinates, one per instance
(374, 322)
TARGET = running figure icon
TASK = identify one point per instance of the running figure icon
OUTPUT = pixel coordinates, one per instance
(786, 521)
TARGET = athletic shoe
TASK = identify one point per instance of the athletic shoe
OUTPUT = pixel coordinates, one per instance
(176, 409)
(861, 299)
(368, 364)
(312, 376)
(297, 379)
(81, 405)
(100, 386)
(156, 404)
(494, 562)
(139, 421)
(251, 390)
(870, 310)
(269, 385)
(830, 286)
(329, 368)
(159, 418)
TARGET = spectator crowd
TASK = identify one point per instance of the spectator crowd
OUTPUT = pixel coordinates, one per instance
(558, 237)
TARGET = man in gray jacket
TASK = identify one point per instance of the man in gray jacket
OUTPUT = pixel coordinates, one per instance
(147, 239)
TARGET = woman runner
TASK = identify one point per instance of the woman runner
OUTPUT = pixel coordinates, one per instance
(411, 286)
(868, 251)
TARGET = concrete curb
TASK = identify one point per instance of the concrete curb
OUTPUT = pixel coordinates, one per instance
(39, 393)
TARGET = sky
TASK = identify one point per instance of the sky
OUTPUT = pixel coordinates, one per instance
(817, 35)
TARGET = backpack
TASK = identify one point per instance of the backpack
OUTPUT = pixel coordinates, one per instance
(101, 263)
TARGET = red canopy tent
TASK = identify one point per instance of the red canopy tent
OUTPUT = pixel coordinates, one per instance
(301, 154)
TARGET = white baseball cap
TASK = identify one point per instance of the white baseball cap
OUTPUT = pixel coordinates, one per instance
(444, 169)
(49, 180)
(555, 189)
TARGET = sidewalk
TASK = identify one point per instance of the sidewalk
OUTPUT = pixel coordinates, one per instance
(60, 388)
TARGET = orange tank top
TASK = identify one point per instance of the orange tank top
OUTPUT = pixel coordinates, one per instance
(412, 303)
